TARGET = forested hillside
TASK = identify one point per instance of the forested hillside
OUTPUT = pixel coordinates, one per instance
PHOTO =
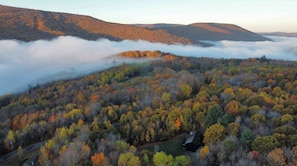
(27, 24)
(209, 31)
(246, 110)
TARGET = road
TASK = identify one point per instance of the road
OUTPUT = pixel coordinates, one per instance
(14, 154)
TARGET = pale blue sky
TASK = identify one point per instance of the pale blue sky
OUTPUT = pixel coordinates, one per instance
(254, 15)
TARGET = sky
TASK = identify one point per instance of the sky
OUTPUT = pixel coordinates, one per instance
(254, 15)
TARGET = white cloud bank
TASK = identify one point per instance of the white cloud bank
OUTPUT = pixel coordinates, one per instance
(24, 63)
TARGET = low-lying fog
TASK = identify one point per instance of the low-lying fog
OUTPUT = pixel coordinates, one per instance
(37, 62)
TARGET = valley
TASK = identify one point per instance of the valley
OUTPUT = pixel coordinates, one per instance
(78, 90)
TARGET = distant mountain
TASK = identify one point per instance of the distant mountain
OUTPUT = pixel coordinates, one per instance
(208, 31)
(27, 24)
(281, 34)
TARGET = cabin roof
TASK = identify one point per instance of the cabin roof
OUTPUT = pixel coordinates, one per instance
(194, 138)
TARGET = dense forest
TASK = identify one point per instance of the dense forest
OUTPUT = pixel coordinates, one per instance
(246, 110)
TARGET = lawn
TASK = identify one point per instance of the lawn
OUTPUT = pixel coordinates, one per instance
(172, 146)
(27, 158)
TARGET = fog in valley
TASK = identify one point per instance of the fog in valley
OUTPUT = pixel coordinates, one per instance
(37, 62)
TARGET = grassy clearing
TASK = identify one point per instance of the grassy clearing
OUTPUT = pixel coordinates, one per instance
(27, 158)
(172, 146)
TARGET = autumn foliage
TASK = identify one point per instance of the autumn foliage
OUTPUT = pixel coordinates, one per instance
(99, 159)
(241, 106)
(276, 157)
(26, 24)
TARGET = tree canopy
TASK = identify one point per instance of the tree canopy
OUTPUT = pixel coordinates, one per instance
(103, 118)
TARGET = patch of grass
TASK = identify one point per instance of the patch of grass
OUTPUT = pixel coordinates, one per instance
(32, 157)
(27, 158)
(172, 146)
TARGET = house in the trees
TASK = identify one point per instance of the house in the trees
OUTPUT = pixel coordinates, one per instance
(193, 141)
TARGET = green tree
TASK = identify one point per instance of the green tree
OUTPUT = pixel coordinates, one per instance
(286, 129)
(265, 144)
(292, 140)
(226, 119)
(182, 160)
(186, 90)
(166, 97)
(214, 112)
(128, 159)
(287, 118)
(233, 128)
(257, 119)
(255, 100)
(246, 137)
(200, 117)
(162, 159)
(121, 146)
(229, 145)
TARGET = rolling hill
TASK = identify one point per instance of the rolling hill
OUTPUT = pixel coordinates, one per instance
(208, 31)
(27, 25)
(281, 34)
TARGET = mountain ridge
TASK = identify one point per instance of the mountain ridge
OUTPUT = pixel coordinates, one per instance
(280, 34)
(208, 31)
(31, 24)
(28, 24)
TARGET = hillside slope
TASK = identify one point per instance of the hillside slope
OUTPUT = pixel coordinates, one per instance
(208, 31)
(27, 24)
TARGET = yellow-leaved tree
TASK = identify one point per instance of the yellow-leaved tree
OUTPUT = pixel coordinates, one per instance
(128, 159)
(213, 134)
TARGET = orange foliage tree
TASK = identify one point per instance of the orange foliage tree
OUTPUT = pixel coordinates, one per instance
(99, 159)
(276, 157)
(233, 107)
(204, 151)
